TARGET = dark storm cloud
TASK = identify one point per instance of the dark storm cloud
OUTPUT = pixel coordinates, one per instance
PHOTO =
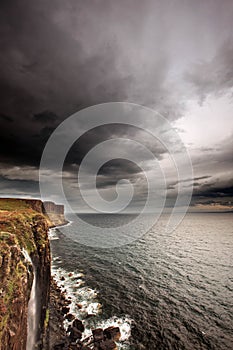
(112, 172)
(216, 159)
(200, 177)
(214, 76)
(205, 192)
(225, 153)
(47, 68)
(58, 57)
(173, 184)
(44, 68)
(16, 186)
(45, 117)
(6, 118)
(120, 167)
(23, 148)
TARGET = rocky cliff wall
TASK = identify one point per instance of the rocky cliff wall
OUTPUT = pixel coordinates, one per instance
(23, 242)
(50, 207)
(54, 213)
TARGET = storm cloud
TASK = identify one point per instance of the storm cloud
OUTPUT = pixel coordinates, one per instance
(58, 57)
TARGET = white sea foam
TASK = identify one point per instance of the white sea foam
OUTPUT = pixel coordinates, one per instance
(124, 323)
(53, 234)
(84, 302)
(83, 299)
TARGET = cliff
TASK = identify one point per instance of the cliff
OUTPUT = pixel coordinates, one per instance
(24, 258)
(54, 213)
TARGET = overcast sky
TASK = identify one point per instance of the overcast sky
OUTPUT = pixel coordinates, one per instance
(57, 57)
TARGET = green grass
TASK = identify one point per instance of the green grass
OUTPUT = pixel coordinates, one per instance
(46, 321)
(12, 204)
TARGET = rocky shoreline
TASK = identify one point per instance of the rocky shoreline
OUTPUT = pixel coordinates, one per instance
(59, 338)
(28, 289)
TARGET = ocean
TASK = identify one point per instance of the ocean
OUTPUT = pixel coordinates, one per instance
(165, 291)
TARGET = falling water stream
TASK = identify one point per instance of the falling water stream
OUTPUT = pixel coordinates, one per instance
(32, 322)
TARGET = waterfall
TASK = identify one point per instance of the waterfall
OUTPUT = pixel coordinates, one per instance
(32, 311)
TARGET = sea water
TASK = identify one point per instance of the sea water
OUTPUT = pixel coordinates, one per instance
(165, 291)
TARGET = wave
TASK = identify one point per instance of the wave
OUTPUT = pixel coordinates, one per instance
(84, 303)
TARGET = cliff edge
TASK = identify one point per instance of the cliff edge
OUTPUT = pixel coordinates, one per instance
(25, 263)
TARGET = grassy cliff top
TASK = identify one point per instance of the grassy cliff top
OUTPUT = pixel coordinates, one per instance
(19, 220)
(16, 204)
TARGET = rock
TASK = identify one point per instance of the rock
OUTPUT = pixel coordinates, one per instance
(70, 274)
(12, 333)
(79, 306)
(69, 329)
(112, 333)
(60, 346)
(75, 334)
(62, 278)
(98, 334)
(107, 345)
(65, 310)
(78, 324)
(70, 317)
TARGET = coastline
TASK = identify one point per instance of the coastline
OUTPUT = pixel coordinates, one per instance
(57, 332)
(60, 338)
(63, 312)
(62, 306)
(57, 300)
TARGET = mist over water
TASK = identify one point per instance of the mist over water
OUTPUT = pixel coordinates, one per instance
(177, 289)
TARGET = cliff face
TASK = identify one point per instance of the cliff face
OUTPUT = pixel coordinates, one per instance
(24, 248)
(54, 213)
